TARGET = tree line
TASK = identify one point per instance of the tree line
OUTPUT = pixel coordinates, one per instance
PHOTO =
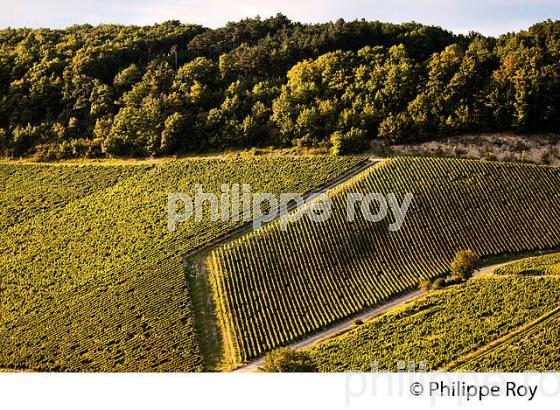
(172, 88)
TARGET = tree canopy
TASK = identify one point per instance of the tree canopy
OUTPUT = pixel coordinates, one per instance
(287, 360)
(114, 90)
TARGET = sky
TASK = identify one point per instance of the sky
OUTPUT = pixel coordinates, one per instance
(489, 17)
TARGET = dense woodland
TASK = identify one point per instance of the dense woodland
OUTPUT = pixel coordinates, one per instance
(176, 88)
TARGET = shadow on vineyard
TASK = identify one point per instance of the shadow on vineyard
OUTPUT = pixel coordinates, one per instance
(279, 287)
(109, 292)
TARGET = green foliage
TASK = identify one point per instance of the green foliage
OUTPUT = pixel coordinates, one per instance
(396, 128)
(445, 326)
(29, 190)
(351, 142)
(23, 139)
(91, 278)
(345, 267)
(538, 265)
(286, 360)
(425, 285)
(125, 79)
(464, 264)
(438, 284)
(536, 350)
(75, 148)
(101, 101)
(173, 130)
(270, 82)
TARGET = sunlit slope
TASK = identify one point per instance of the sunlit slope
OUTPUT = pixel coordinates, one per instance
(98, 285)
(274, 287)
(538, 265)
(536, 349)
(28, 189)
(447, 325)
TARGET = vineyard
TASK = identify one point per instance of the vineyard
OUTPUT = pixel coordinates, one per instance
(538, 265)
(274, 287)
(537, 350)
(446, 325)
(26, 190)
(91, 279)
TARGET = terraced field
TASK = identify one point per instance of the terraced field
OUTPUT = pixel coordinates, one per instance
(92, 280)
(273, 287)
(449, 324)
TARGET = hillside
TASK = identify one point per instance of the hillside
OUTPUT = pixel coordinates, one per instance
(538, 265)
(447, 325)
(170, 88)
(26, 191)
(505, 321)
(92, 280)
(273, 287)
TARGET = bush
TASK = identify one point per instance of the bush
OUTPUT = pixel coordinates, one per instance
(439, 283)
(286, 360)
(358, 322)
(464, 265)
(395, 128)
(351, 142)
(307, 141)
(425, 285)
(77, 148)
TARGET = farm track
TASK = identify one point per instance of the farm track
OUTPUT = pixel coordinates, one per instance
(194, 259)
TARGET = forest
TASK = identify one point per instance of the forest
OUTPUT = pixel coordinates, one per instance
(174, 88)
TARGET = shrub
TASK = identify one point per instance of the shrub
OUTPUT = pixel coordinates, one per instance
(288, 360)
(464, 264)
(490, 156)
(358, 322)
(425, 285)
(439, 283)
(353, 141)
(307, 141)
(76, 148)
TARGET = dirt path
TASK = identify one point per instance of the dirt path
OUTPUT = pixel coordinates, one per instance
(367, 315)
(202, 303)
(341, 327)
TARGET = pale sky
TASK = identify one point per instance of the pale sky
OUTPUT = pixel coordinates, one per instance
(489, 17)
